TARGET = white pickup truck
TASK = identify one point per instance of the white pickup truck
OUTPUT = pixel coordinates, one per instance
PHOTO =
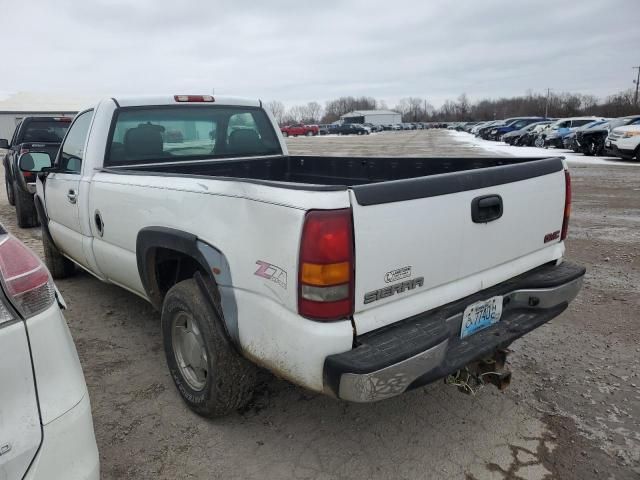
(359, 277)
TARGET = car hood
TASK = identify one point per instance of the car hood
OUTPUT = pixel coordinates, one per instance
(627, 128)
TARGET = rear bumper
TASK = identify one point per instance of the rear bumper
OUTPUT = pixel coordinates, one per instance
(427, 347)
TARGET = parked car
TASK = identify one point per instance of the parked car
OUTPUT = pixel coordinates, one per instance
(529, 138)
(469, 125)
(33, 139)
(46, 428)
(624, 142)
(373, 128)
(511, 125)
(554, 134)
(592, 141)
(514, 137)
(476, 128)
(327, 129)
(484, 130)
(299, 267)
(352, 129)
(396, 126)
(299, 129)
(570, 140)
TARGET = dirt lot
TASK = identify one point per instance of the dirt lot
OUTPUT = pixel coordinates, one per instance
(572, 411)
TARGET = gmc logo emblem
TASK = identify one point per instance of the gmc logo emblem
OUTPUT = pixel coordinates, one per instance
(552, 236)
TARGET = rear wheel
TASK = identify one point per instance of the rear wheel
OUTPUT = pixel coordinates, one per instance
(59, 265)
(10, 193)
(212, 378)
(25, 209)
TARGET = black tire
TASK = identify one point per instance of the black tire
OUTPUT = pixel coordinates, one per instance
(25, 209)
(10, 193)
(285, 134)
(636, 157)
(59, 265)
(309, 133)
(229, 380)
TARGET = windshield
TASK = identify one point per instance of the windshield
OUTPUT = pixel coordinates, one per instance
(165, 134)
(45, 131)
(619, 122)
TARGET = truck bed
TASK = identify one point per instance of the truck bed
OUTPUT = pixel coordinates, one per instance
(364, 173)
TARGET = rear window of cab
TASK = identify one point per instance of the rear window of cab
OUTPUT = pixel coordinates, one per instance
(178, 133)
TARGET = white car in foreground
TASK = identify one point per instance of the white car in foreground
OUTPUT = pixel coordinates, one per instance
(46, 428)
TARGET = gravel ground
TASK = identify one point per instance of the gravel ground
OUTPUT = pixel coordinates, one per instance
(572, 411)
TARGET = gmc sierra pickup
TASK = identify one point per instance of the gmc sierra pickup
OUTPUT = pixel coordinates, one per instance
(34, 141)
(358, 277)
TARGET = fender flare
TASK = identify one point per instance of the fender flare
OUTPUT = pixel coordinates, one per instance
(211, 260)
(44, 220)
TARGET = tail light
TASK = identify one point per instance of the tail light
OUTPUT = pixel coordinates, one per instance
(193, 98)
(25, 279)
(326, 266)
(567, 205)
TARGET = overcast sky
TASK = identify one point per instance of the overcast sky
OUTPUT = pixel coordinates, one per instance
(297, 51)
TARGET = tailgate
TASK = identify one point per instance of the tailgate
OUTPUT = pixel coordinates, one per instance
(423, 242)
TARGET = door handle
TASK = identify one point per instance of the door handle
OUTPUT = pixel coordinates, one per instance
(72, 196)
(486, 208)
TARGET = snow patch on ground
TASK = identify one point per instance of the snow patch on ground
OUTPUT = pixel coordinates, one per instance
(570, 156)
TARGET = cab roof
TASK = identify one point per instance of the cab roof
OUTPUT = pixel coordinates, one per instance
(148, 100)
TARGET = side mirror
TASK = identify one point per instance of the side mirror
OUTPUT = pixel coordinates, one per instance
(4, 143)
(34, 162)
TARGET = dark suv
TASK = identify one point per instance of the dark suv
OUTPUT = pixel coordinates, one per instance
(34, 143)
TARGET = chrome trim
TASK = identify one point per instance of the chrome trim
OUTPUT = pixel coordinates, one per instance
(394, 379)
(546, 297)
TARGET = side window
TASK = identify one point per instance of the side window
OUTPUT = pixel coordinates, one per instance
(72, 150)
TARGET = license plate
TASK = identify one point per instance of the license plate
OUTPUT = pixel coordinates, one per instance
(480, 315)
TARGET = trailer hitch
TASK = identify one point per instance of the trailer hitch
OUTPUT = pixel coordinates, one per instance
(491, 370)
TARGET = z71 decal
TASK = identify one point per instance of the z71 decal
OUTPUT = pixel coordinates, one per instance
(272, 272)
(385, 292)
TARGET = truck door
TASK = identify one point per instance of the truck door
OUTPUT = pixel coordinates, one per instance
(62, 190)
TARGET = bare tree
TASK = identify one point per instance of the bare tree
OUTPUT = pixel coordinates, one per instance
(314, 112)
(463, 107)
(277, 108)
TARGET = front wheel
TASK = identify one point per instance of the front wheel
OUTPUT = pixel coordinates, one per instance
(10, 193)
(285, 134)
(212, 378)
(539, 142)
(309, 133)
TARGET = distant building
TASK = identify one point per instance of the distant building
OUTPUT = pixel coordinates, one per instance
(14, 108)
(376, 117)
